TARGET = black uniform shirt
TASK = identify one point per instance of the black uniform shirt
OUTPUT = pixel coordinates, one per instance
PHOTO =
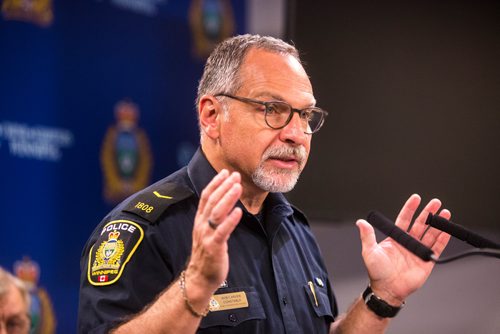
(143, 244)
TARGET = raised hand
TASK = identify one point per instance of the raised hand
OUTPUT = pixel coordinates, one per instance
(394, 272)
(209, 262)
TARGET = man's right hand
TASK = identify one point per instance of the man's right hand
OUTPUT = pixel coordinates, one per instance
(209, 262)
(207, 268)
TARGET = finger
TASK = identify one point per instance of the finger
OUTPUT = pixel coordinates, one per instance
(446, 214)
(405, 216)
(441, 242)
(418, 228)
(225, 204)
(367, 235)
(432, 234)
(217, 194)
(227, 227)
(214, 183)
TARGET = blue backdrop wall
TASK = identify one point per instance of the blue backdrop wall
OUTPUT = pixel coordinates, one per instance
(72, 72)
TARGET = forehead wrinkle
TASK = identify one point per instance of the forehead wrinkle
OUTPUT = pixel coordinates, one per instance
(278, 97)
(275, 76)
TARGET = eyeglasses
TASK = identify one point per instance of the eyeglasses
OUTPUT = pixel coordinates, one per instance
(278, 114)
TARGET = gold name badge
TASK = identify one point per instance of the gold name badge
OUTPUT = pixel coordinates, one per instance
(228, 301)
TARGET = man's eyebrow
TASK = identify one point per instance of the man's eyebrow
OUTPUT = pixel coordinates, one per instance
(20, 316)
(276, 97)
(273, 96)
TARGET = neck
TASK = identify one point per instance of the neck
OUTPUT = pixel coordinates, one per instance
(253, 202)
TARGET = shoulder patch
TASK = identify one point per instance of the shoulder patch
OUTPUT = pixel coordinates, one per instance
(152, 203)
(112, 250)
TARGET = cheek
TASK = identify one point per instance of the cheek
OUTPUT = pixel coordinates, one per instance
(244, 133)
(251, 147)
(248, 149)
(307, 141)
(307, 146)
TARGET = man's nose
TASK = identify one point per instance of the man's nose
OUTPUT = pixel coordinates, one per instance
(294, 131)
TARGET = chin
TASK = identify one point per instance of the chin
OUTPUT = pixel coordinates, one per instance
(276, 182)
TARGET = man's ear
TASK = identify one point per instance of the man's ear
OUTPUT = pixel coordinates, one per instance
(209, 110)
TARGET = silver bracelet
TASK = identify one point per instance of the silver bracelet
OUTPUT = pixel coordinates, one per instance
(182, 284)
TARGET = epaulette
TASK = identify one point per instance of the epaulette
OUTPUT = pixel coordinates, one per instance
(151, 203)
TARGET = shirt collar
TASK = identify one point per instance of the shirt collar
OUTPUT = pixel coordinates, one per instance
(201, 172)
(278, 205)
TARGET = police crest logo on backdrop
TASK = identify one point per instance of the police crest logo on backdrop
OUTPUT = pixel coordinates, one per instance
(211, 21)
(38, 12)
(126, 157)
(43, 319)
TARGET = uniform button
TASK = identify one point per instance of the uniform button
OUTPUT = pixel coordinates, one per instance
(233, 318)
(285, 301)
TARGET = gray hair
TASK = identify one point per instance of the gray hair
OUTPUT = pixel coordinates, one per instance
(7, 280)
(221, 72)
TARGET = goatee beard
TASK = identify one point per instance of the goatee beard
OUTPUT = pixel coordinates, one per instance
(279, 179)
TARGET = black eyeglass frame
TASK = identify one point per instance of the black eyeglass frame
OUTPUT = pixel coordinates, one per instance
(267, 104)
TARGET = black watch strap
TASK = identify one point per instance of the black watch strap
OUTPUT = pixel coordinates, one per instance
(379, 306)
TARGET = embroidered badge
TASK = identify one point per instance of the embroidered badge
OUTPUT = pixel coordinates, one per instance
(112, 251)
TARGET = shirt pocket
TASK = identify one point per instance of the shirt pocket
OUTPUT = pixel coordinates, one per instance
(237, 316)
(318, 300)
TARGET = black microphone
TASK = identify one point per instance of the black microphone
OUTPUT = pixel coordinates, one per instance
(460, 232)
(384, 225)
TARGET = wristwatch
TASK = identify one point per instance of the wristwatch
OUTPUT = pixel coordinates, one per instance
(379, 306)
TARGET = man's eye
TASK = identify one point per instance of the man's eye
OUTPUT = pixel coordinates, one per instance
(277, 108)
(15, 325)
(306, 114)
(271, 108)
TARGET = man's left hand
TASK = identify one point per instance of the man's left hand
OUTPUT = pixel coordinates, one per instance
(394, 272)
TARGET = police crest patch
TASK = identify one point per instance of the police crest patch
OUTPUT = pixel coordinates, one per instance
(113, 249)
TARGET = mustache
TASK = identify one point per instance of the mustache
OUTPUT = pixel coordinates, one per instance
(286, 152)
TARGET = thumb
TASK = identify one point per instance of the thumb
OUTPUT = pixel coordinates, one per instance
(366, 234)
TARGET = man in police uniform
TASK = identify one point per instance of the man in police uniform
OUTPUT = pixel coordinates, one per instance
(216, 246)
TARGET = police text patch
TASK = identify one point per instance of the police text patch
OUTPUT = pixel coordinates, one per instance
(113, 249)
